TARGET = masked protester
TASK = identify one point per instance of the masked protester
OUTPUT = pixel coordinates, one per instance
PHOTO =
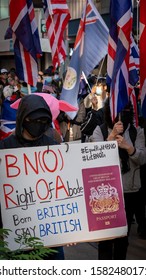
(132, 154)
(33, 120)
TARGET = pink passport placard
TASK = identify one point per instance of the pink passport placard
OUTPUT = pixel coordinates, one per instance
(104, 197)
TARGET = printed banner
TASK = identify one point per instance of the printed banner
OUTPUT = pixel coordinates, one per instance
(67, 193)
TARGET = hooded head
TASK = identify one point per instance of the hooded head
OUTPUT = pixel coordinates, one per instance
(32, 107)
(126, 115)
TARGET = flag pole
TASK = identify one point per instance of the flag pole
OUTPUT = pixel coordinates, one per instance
(84, 76)
(29, 88)
(101, 66)
(120, 116)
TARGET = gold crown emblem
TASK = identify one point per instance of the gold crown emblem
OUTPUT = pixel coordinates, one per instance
(104, 199)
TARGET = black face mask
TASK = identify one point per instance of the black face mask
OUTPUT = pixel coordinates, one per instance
(125, 118)
(36, 128)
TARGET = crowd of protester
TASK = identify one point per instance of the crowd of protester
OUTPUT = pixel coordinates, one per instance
(92, 115)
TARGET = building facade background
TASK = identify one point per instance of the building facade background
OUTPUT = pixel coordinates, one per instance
(75, 8)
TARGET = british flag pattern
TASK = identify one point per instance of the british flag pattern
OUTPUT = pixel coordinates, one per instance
(57, 17)
(26, 40)
(118, 54)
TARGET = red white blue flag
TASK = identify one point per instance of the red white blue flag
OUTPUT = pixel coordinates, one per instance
(133, 76)
(57, 16)
(26, 40)
(90, 48)
(8, 119)
(118, 54)
(142, 48)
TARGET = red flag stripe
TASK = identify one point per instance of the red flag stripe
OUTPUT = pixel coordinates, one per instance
(57, 16)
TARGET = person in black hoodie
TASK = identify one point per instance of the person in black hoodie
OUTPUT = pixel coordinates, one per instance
(33, 119)
(93, 118)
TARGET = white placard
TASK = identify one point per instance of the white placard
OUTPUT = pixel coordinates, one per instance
(69, 193)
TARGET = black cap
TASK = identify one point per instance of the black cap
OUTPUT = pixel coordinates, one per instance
(40, 113)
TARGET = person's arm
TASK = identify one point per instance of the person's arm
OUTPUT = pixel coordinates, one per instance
(136, 153)
(122, 143)
(98, 136)
(117, 129)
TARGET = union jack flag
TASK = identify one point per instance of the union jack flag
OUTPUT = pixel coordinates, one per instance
(5, 130)
(142, 48)
(57, 16)
(90, 48)
(8, 119)
(118, 54)
(134, 58)
(26, 40)
(133, 76)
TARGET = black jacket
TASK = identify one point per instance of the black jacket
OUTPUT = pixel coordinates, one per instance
(92, 119)
(27, 105)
